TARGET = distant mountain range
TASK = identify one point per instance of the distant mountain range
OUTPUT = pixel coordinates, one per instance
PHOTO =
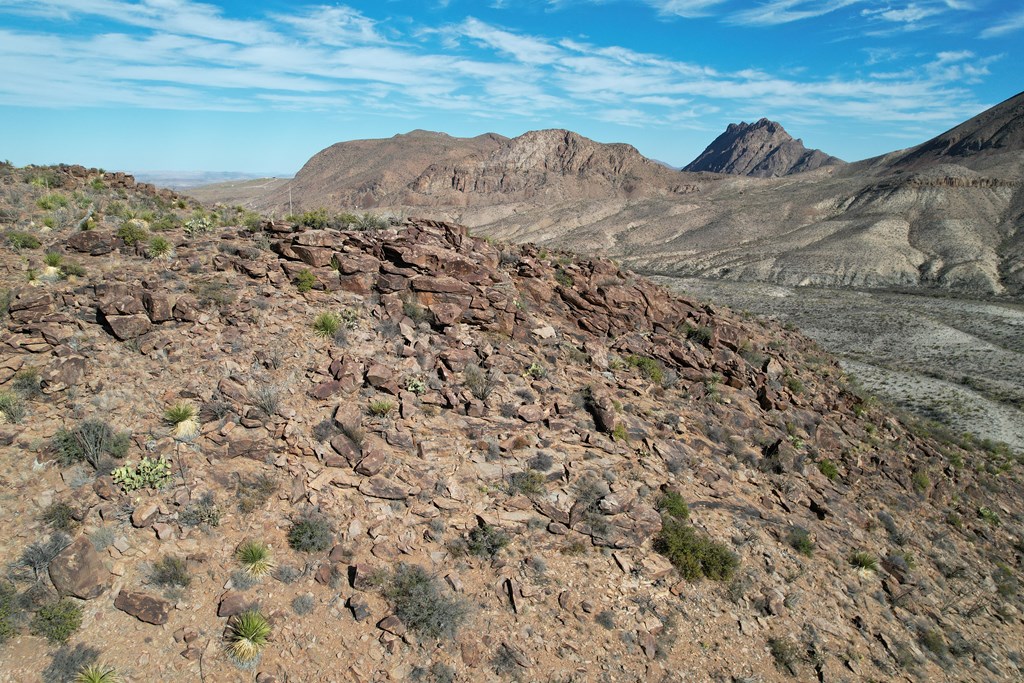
(181, 180)
(756, 205)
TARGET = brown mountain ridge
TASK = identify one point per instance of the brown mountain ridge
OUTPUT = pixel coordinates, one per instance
(762, 150)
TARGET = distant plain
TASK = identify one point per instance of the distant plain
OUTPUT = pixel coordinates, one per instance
(953, 360)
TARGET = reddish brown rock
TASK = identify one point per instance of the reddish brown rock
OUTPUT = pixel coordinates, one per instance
(147, 608)
(78, 570)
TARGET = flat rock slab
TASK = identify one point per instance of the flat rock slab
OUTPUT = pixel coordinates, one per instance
(147, 608)
(78, 570)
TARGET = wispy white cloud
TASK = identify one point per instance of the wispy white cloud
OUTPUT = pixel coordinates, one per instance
(1008, 24)
(684, 8)
(786, 11)
(177, 54)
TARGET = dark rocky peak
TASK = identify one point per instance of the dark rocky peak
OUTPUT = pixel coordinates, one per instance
(761, 149)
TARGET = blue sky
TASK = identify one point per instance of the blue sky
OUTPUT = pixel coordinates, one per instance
(262, 85)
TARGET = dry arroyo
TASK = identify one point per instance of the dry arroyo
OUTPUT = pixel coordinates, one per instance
(235, 447)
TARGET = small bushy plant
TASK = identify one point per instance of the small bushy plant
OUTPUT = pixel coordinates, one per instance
(800, 540)
(131, 232)
(171, 570)
(56, 622)
(255, 558)
(12, 407)
(310, 534)
(829, 469)
(648, 367)
(326, 325)
(695, 556)
(60, 516)
(381, 407)
(98, 673)
(863, 560)
(158, 247)
(305, 280)
(90, 441)
(423, 604)
(672, 503)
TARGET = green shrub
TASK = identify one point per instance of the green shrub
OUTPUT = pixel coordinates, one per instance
(131, 233)
(305, 280)
(248, 634)
(863, 560)
(989, 515)
(695, 556)
(671, 503)
(154, 474)
(480, 384)
(786, 654)
(56, 622)
(60, 516)
(170, 571)
(12, 406)
(198, 224)
(72, 269)
(316, 219)
(794, 385)
(381, 407)
(8, 611)
(648, 367)
(423, 604)
(180, 412)
(921, 481)
(90, 441)
(158, 247)
(486, 541)
(253, 493)
(369, 221)
(563, 278)
(529, 483)
(254, 557)
(310, 534)
(800, 540)
(829, 469)
(702, 335)
(53, 259)
(49, 202)
(36, 558)
(22, 240)
(326, 325)
(202, 511)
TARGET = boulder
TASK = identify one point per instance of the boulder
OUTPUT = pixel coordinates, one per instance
(147, 608)
(78, 570)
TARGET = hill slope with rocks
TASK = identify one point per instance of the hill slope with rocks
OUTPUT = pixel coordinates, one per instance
(414, 453)
(762, 149)
(944, 215)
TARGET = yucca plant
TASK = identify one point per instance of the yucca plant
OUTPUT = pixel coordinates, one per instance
(182, 415)
(248, 635)
(53, 259)
(327, 325)
(255, 558)
(97, 673)
(158, 247)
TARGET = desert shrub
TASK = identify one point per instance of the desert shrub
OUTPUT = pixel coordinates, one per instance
(310, 534)
(158, 247)
(203, 511)
(304, 280)
(369, 221)
(702, 334)
(253, 492)
(68, 662)
(59, 516)
(535, 371)
(131, 233)
(800, 540)
(619, 433)
(486, 541)
(423, 604)
(170, 570)
(56, 622)
(921, 481)
(8, 611)
(37, 556)
(248, 634)
(22, 240)
(53, 259)
(255, 558)
(415, 312)
(267, 398)
(794, 385)
(182, 416)
(27, 382)
(786, 654)
(98, 673)
(606, 618)
(416, 385)
(694, 555)
(863, 560)
(989, 515)
(480, 384)
(12, 406)
(671, 503)
(49, 202)
(438, 672)
(326, 325)
(303, 604)
(541, 462)
(90, 441)
(648, 367)
(829, 469)
(529, 483)
(563, 278)
(316, 219)
(287, 574)
(148, 474)
(243, 580)
(381, 407)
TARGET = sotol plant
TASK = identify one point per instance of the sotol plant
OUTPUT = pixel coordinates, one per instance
(248, 635)
(182, 416)
(255, 558)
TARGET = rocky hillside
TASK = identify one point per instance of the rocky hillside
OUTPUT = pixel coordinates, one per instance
(236, 447)
(762, 150)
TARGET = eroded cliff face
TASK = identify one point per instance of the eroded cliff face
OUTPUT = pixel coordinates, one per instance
(762, 149)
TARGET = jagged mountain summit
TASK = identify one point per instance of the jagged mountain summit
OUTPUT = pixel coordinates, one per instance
(455, 456)
(762, 150)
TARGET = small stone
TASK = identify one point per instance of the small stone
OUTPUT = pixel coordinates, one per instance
(163, 531)
(147, 608)
(360, 608)
(232, 603)
(145, 513)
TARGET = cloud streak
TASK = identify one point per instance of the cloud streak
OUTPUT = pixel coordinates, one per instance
(184, 55)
